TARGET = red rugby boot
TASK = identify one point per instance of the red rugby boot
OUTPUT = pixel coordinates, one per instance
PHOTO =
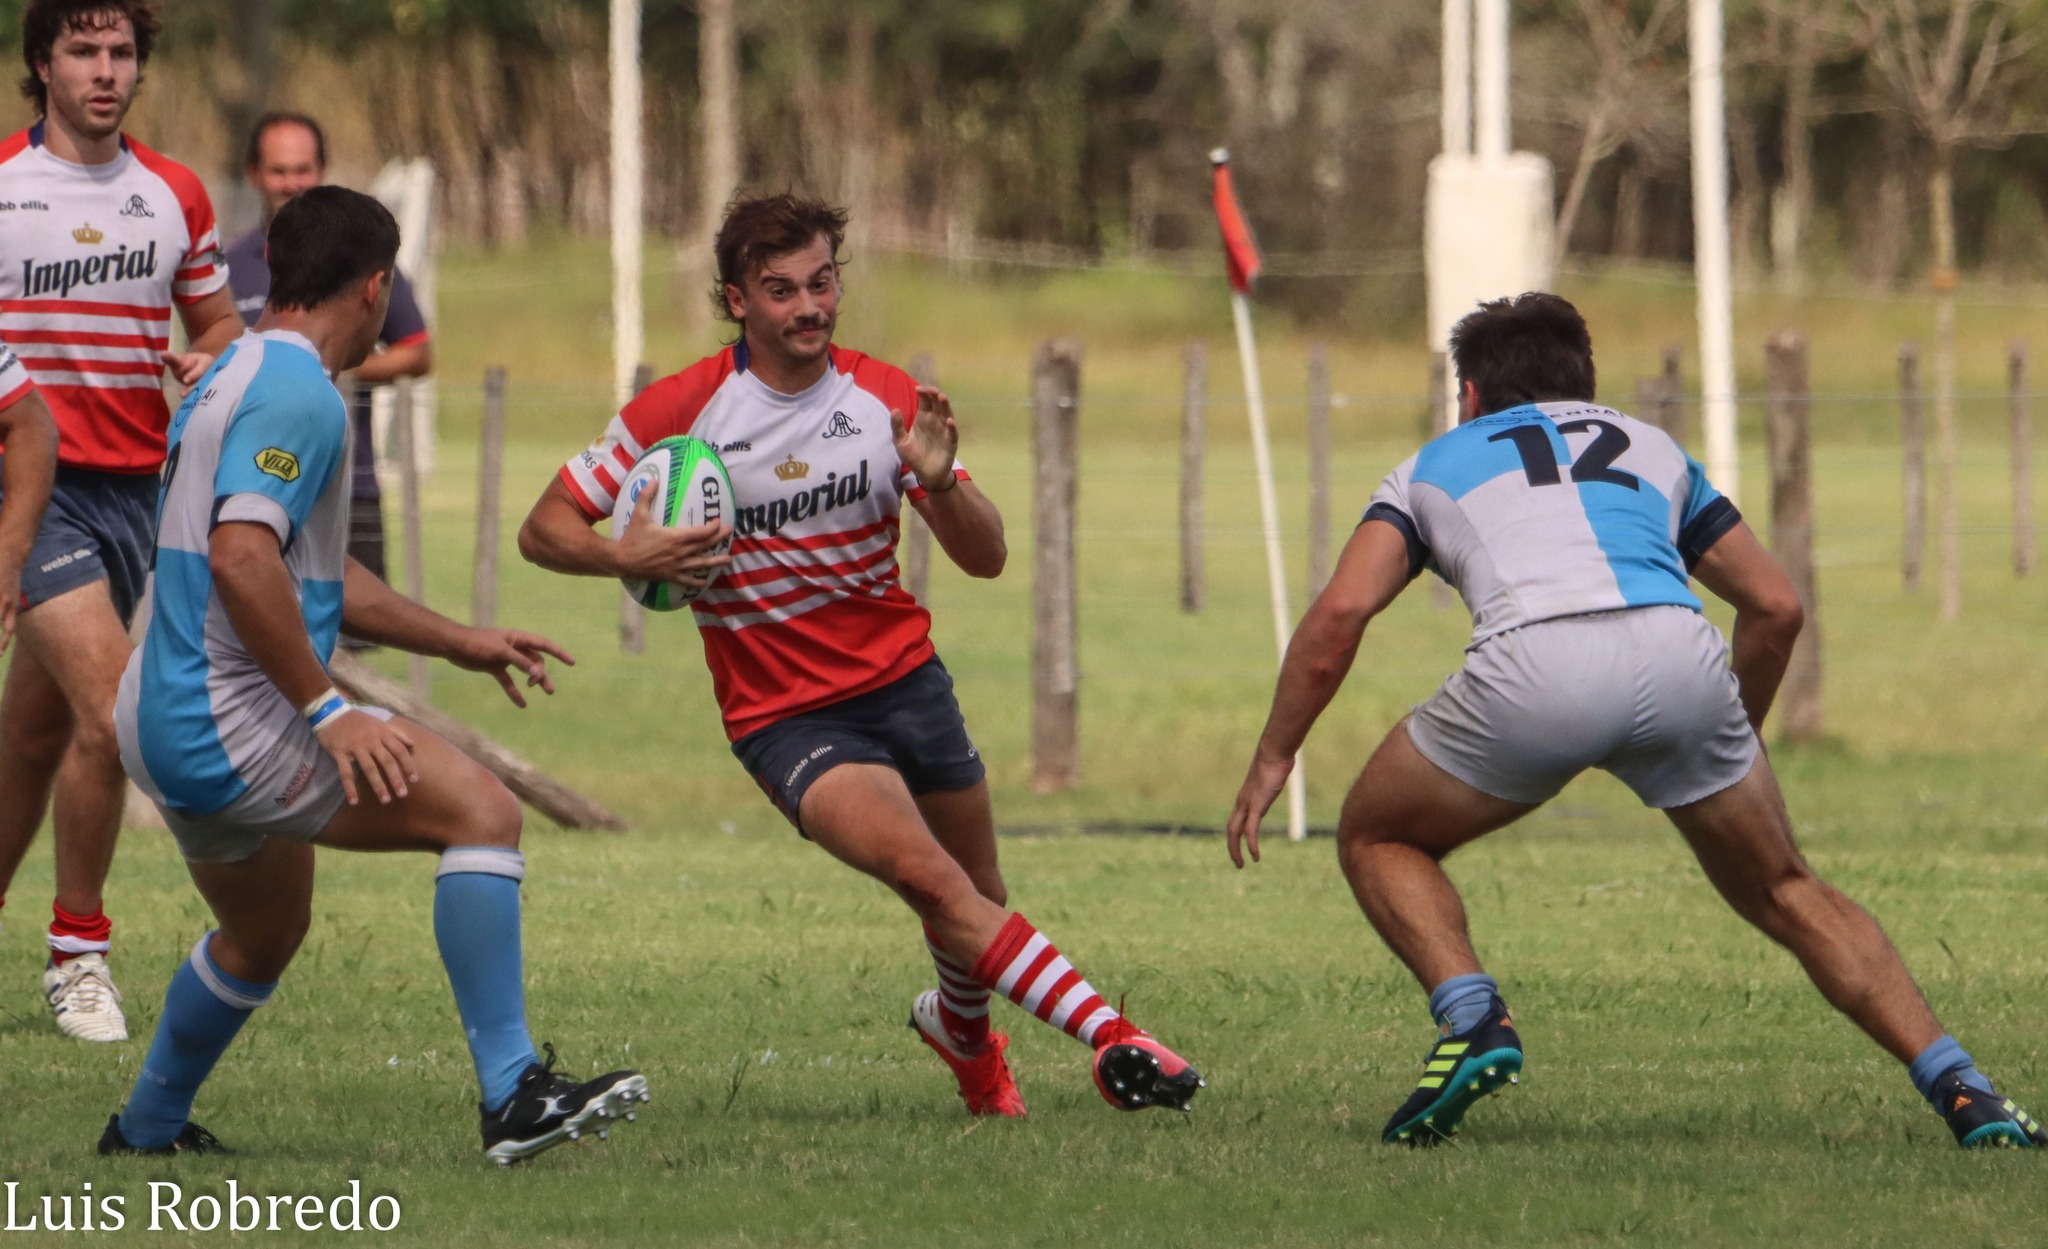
(1134, 1071)
(985, 1082)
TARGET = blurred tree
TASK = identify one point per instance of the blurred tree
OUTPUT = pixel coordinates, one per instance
(1949, 66)
(1635, 50)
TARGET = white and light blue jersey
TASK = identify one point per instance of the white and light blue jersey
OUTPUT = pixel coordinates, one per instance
(262, 438)
(1555, 509)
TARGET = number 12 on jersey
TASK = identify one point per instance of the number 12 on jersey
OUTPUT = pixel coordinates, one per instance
(1539, 462)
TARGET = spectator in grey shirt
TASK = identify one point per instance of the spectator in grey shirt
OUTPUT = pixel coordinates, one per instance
(288, 153)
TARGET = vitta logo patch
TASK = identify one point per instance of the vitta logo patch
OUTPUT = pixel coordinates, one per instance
(136, 207)
(842, 426)
(279, 463)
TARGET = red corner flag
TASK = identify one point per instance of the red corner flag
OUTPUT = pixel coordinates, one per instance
(1240, 249)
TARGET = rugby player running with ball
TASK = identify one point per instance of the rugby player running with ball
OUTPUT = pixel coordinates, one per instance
(1571, 531)
(229, 722)
(823, 665)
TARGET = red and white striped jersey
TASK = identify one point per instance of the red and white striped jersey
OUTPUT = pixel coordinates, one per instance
(15, 384)
(91, 259)
(811, 610)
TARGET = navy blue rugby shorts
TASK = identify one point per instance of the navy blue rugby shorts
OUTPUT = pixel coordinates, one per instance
(98, 526)
(912, 724)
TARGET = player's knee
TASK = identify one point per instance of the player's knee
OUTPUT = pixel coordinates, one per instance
(489, 816)
(93, 737)
(1358, 837)
(259, 952)
(927, 882)
(496, 817)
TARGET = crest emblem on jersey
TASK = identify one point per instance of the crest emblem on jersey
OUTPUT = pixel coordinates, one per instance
(136, 207)
(88, 236)
(279, 463)
(793, 469)
(842, 426)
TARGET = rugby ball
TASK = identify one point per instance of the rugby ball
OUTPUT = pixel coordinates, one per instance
(690, 489)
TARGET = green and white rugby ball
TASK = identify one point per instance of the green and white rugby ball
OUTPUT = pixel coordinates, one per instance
(691, 488)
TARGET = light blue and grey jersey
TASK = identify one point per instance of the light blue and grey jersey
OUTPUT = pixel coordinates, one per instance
(1555, 509)
(262, 438)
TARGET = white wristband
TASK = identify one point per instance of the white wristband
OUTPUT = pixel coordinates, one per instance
(325, 709)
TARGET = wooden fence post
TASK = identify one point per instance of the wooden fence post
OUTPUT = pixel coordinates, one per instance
(1913, 449)
(632, 616)
(2022, 465)
(915, 534)
(410, 523)
(1786, 425)
(1055, 633)
(1318, 468)
(1650, 401)
(490, 472)
(1193, 436)
(1671, 409)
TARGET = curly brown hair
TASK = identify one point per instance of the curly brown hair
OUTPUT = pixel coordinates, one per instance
(44, 21)
(758, 228)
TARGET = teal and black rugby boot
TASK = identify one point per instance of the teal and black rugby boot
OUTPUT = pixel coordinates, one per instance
(1460, 1069)
(1985, 1120)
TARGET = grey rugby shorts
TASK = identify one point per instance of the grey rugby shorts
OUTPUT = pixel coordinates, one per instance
(1645, 694)
(293, 793)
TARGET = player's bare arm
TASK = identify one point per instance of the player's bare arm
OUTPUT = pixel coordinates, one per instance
(26, 472)
(255, 590)
(966, 523)
(1371, 573)
(210, 325)
(1768, 615)
(375, 612)
(557, 536)
(402, 360)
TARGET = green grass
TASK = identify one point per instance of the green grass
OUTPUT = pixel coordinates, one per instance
(1686, 1086)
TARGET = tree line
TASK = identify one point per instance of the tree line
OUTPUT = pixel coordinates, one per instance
(1870, 139)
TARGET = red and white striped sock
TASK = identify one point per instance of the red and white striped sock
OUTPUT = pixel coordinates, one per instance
(1024, 967)
(73, 935)
(963, 1004)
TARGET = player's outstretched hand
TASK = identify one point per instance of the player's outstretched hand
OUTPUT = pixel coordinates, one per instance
(186, 366)
(1261, 786)
(650, 551)
(497, 651)
(379, 748)
(928, 440)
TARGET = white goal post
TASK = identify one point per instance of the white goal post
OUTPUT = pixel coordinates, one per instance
(407, 189)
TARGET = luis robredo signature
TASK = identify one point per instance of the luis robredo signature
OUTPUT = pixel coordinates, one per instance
(168, 1207)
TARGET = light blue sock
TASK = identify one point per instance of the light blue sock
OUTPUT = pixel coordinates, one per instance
(203, 1010)
(476, 924)
(1461, 1002)
(1940, 1058)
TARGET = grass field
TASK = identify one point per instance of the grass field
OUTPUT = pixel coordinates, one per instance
(1685, 1087)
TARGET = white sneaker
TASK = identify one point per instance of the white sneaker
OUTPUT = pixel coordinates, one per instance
(83, 997)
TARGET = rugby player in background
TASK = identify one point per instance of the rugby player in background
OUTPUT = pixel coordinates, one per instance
(228, 720)
(823, 665)
(1570, 531)
(101, 239)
